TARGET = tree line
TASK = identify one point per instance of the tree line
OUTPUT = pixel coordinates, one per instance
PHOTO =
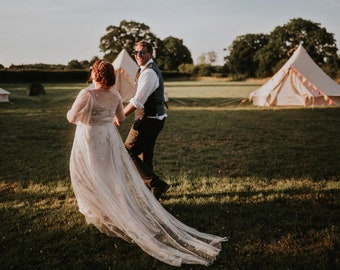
(261, 55)
(249, 56)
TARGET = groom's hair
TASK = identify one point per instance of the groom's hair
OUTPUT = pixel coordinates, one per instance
(145, 44)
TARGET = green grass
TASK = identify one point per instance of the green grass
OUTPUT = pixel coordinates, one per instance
(266, 178)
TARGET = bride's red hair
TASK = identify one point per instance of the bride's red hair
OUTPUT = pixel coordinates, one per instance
(103, 73)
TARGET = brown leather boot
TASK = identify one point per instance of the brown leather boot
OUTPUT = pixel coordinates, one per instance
(147, 182)
(158, 188)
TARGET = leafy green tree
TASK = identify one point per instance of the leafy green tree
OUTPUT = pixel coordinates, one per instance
(85, 64)
(319, 44)
(125, 36)
(174, 54)
(203, 70)
(186, 68)
(75, 64)
(241, 62)
(94, 59)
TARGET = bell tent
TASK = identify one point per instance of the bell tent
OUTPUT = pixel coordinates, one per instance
(4, 95)
(126, 69)
(299, 82)
(35, 89)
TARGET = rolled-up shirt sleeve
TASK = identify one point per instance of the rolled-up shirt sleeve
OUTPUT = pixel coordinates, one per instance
(148, 82)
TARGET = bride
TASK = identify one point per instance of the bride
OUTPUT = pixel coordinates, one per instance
(109, 190)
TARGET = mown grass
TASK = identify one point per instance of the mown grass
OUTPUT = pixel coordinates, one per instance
(266, 178)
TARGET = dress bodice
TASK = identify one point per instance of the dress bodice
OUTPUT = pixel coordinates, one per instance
(101, 116)
(96, 107)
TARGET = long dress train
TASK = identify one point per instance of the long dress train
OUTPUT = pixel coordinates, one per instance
(112, 196)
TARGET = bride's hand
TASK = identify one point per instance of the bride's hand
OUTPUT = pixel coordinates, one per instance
(116, 122)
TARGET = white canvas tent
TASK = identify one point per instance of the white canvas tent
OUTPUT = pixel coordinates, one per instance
(4, 95)
(126, 69)
(300, 82)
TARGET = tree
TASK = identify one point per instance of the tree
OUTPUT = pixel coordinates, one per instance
(202, 59)
(186, 68)
(241, 62)
(94, 59)
(212, 56)
(207, 58)
(125, 36)
(319, 44)
(174, 54)
(75, 64)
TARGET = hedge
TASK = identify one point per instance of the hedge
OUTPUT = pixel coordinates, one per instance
(28, 76)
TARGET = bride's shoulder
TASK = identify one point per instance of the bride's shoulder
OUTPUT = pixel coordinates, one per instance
(89, 89)
(114, 91)
(84, 94)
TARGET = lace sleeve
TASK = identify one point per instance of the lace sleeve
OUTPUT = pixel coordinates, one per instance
(119, 111)
(81, 108)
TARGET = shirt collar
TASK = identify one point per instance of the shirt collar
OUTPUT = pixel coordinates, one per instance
(147, 63)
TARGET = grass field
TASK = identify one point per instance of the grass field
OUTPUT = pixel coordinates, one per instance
(267, 178)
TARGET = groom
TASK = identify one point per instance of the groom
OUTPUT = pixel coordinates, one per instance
(148, 105)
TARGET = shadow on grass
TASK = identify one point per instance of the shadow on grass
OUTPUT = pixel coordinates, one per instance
(282, 143)
(206, 102)
(297, 231)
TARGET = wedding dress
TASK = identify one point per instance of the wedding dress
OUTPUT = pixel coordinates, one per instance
(111, 194)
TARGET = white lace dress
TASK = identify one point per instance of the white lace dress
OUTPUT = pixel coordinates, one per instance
(113, 197)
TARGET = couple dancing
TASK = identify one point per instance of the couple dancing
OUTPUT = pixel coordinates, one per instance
(108, 185)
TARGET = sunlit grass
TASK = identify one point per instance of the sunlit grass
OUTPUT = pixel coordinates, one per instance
(268, 179)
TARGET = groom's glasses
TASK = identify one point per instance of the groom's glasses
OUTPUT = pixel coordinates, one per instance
(141, 53)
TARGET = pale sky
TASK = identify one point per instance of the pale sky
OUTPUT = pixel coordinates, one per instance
(58, 31)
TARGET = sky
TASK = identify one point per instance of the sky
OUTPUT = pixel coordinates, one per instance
(58, 31)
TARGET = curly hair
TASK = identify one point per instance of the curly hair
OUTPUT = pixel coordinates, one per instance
(103, 72)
